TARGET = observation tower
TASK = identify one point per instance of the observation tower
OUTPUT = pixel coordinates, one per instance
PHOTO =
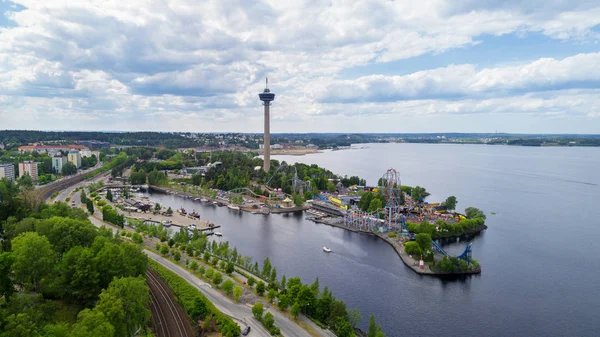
(267, 97)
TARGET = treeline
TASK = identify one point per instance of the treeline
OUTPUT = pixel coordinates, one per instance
(61, 276)
(166, 139)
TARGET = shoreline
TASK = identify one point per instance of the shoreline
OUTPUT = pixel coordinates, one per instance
(406, 259)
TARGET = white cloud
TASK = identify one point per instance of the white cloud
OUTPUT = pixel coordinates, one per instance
(204, 61)
(581, 70)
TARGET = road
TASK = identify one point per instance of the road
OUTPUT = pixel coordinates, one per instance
(64, 194)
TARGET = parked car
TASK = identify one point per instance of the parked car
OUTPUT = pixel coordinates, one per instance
(246, 331)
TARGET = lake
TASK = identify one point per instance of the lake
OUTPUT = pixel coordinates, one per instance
(539, 257)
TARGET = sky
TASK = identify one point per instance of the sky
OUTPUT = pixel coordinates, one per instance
(335, 66)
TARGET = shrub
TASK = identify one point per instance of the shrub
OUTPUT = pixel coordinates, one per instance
(251, 281)
(257, 310)
(392, 235)
(227, 286)
(194, 265)
(260, 288)
(201, 270)
(217, 278)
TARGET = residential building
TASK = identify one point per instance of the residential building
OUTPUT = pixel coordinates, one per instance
(29, 167)
(75, 158)
(50, 149)
(57, 162)
(7, 171)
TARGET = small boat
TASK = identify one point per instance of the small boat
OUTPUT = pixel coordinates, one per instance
(197, 199)
(182, 211)
(233, 207)
(204, 200)
(218, 234)
(215, 203)
(326, 250)
(195, 215)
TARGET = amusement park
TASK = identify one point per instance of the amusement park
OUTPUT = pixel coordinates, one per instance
(411, 225)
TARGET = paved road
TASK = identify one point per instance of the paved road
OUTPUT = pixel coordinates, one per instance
(62, 196)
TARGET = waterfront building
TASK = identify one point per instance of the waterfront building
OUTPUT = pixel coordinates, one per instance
(7, 171)
(57, 162)
(267, 97)
(29, 167)
(75, 158)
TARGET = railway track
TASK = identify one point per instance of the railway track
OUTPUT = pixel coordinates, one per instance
(169, 319)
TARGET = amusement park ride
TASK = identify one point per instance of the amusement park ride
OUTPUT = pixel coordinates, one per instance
(393, 219)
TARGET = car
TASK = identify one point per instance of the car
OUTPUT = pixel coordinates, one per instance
(246, 331)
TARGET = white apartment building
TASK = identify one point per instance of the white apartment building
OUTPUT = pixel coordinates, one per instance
(7, 171)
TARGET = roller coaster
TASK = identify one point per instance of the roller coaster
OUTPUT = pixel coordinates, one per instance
(298, 186)
(466, 254)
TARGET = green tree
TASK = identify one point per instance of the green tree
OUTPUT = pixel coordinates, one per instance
(343, 328)
(283, 301)
(251, 281)
(125, 304)
(217, 278)
(6, 284)
(164, 250)
(283, 280)
(354, 317)
(227, 286)
(474, 213)
(90, 205)
(92, 323)
(274, 274)
(209, 273)
(82, 197)
(372, 332)
(271, 294)
(194, 266)
(157, 207)
(177, 256)
(169, 211)
(450, 203)
(237, 292)
(68, 169)
(424, 241)
(33, 259)
(412, 248)
(268, 320)
(257, 310)
(295, 311)
(375, 205)
(266, 271)
(229, 268)
(206, 257)
(260, 288)
(25, 182)
(109, 195)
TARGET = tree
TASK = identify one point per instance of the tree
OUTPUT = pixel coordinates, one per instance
(227, 286)
(474, 213)
(295, 311)
(424, 241)
(251, 281)
(82, 197)
(68, 169)
(33, 258)
(209, 273)
(206, 257)
(450, 203)
(268, 320)
(90, 205)
(354, 317)
(271, 294)
(92, 323)
(171, 242)
(257, 310)
(109, 195)
(194, 266)
(283, 282)
(237, 292)
(25, 182)
(372, 332)
(125, 304)
(6, 285)
(177, 256)
(343, 328)
(274, 274)
(164, 250)
(260, 288)
(412, 248)
(169, 211)
(266, 271)
(157, 207)
(229, 268)
(217, 278)
(375, 205)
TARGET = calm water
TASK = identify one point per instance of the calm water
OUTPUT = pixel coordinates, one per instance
(541, 273)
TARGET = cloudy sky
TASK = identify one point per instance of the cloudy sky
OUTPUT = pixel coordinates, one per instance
(336, 66)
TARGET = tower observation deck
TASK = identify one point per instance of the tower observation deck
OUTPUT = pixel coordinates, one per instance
(267, 97)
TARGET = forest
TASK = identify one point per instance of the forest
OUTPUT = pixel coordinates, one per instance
(61, 276)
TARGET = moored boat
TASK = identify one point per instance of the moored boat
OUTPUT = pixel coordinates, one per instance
(326, 249)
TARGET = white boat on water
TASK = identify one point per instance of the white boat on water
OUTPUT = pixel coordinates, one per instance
(326, 249)
(218, 234)
(215, 203)
(233, 207)
(204, 200)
